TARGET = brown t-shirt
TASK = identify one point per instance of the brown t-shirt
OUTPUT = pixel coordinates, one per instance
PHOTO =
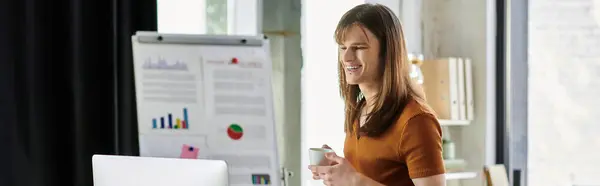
(411, 148)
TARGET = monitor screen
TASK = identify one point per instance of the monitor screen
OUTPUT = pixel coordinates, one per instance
(115, 170)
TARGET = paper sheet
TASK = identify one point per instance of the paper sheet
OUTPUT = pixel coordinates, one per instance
(169, 92)
(239, 105)
(189, 152)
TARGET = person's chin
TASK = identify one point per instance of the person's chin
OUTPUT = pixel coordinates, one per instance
(353, 78)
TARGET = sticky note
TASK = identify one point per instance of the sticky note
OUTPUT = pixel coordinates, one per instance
(189, 152)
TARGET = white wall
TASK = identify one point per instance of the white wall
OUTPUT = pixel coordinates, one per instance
(465, 28)
(412, 22)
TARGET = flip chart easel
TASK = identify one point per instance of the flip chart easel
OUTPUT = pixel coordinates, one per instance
(210, 95)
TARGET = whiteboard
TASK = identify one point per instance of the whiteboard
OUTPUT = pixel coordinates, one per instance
(207, 97)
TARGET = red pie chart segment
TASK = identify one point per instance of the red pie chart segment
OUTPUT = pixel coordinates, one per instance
(235, 131)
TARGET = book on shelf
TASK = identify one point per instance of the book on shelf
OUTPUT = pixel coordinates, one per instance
(448, 87)
(470, 97)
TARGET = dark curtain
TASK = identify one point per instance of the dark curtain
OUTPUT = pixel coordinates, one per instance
(66, 87)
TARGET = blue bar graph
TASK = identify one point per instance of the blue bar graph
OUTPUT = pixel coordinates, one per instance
(162, 122)
(154, 123)
(170, 121)
(185, 118)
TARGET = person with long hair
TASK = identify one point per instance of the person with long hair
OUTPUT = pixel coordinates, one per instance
(392, 136)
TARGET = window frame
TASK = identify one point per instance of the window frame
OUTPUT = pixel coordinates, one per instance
(512, 88)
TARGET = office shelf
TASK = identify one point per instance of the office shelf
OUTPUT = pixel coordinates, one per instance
(444, 122)
(460, 175)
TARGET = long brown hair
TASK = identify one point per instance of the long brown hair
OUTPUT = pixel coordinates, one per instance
(397, 88)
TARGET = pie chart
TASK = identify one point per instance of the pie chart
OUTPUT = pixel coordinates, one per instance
(235, 132)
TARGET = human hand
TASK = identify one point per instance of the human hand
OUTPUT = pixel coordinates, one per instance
(325, 146)
(342, 173)
(329, 162)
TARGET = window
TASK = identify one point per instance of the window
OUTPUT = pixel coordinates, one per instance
(564, 85)
(208, 17)
(554, 139)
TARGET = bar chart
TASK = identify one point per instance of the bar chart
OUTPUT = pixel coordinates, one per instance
(261, 179)
(169, 122)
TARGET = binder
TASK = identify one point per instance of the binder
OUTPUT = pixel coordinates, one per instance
(462, 97)
(441, 87)
(470, 95)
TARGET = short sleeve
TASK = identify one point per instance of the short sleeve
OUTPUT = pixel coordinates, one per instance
(421, 146)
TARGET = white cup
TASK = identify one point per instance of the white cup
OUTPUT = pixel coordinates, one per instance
(317, 156)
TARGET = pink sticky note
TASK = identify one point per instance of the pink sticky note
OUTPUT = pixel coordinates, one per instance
(189, 152)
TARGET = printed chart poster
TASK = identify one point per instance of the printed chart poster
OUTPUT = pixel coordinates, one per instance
(211, 102)
(239, 107)
(169, 91)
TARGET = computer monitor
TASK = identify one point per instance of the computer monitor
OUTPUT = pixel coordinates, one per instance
(115, 170)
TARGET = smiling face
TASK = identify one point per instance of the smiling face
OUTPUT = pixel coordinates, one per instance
(359, 56)
(373, 63)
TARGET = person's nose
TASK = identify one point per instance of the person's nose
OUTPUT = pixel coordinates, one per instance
(348, 55)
